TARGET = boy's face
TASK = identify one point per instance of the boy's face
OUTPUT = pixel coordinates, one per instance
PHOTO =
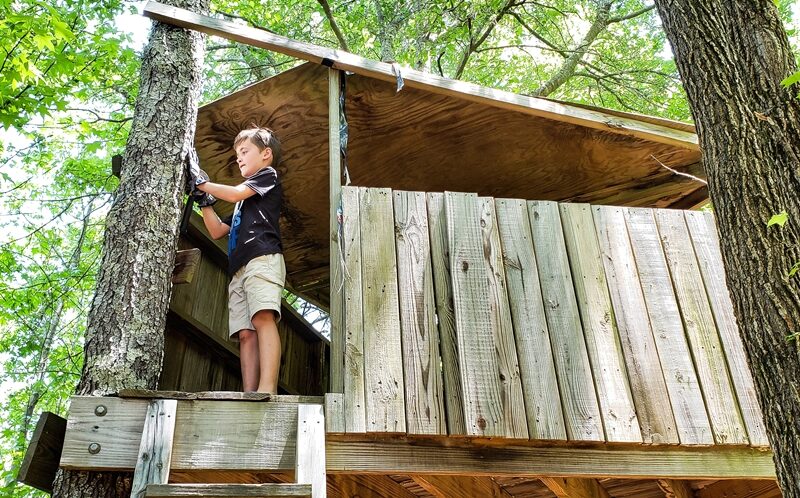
(250, 159)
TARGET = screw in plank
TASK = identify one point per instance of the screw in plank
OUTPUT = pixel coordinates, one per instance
(94, 448)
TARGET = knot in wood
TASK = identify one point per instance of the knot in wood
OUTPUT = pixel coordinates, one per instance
(464, 266)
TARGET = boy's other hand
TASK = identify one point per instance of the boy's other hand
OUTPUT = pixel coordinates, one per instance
(204, 199)
(194, 175)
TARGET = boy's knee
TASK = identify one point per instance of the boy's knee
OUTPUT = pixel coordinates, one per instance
(247, 335)
(263, 317)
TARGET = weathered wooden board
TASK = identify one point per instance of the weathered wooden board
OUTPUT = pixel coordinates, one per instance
(644, 368)
(155, 448)
(706, 245)
(581, 411)
(442, 282)
(540, 385)
(502, 326)
(645, 462)
(218, 490)
(334, 412)
(355, 404)
(712, 370)
(478, 365)
(383, 357)
(310, 459)
(599, 326)
(683, 387)
(337, 311)
(424, 396)
(40, 464)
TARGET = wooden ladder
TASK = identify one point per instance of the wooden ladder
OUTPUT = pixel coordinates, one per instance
(151, 476)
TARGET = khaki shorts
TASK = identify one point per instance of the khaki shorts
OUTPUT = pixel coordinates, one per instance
(256, 286)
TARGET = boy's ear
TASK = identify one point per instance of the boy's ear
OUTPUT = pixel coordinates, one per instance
(267, 153)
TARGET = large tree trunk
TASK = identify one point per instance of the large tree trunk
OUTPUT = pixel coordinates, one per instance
(125, 334)
(732, 55)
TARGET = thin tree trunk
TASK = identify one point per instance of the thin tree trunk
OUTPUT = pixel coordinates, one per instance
(732, 56)
(125, 334)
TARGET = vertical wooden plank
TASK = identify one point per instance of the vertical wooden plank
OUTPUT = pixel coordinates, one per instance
(599, 327)
(443, 287)
(310, 449)
(480, 376)
(383, 357)
(706, 245)
(423, 377)
(354, 395)
(334, 412)
(691, 419)
(540, 386)
(502, 328)
(581, 410)
(155, 449)
(636, 335)
(723, 411)
(335, 195)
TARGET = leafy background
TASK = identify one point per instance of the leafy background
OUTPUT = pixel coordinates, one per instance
(68, 84)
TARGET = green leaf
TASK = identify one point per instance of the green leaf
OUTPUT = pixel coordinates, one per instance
(794, 269)
(778, 219)
(791, 80)
(62, 31)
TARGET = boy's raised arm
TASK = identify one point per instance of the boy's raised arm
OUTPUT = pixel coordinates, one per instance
(216, 228)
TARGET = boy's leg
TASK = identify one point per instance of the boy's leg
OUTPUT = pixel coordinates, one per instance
(269, 349)
(249, 358)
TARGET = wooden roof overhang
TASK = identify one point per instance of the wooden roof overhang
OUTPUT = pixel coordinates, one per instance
(435, 134)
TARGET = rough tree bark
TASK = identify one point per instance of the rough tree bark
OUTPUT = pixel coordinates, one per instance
(125, 334)
(732, 55)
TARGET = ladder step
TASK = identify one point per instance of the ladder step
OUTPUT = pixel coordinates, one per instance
(228, 490)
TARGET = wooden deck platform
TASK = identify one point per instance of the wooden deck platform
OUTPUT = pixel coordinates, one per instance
(526, 320)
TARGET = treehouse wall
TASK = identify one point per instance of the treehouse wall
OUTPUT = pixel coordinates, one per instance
(198, 355)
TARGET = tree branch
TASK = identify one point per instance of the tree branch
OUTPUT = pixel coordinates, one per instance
(334, 26)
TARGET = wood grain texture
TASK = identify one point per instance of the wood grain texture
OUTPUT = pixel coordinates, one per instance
(599, 328)
(575, 488)
(635, 462)
(478, 364)
(706, 245)
(424, 396)
(355, 404)
(443, 289)
(502, 326)
(186, 262)
(581, 410)
(686, 398)
(40, 463)
(383, 356)
(310, 460)
(334, 412)
(540, 385)
(741, 489)
(644, 368)
(337, 318)
(155, 448)
(712, 370)
(228, 490)
(444, 486)
(676, 489)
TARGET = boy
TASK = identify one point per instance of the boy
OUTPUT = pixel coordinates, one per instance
(256, 265)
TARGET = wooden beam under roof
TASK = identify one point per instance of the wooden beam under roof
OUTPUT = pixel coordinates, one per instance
(575, 488)
(444, 486)
(338, 59)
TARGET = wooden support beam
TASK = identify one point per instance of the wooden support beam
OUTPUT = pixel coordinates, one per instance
(575, 488)
(253, 444)
(228, 490)
(334, 412)
(366, 486)
(155, 449)
(310, 459)
(741, 489)
(39, 466)
(335, 196)
(617, 124)
(675, 489)
(186, 262)
(445, 486)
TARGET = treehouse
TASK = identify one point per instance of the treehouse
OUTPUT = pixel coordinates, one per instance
(523, 302)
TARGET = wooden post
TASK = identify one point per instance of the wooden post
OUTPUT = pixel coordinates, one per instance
(155, 449)
(337, 300)
(310, 456)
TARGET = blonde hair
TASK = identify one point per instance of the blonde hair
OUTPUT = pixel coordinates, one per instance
(261, 138)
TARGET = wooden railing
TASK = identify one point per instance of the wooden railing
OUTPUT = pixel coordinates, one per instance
(475, 316)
